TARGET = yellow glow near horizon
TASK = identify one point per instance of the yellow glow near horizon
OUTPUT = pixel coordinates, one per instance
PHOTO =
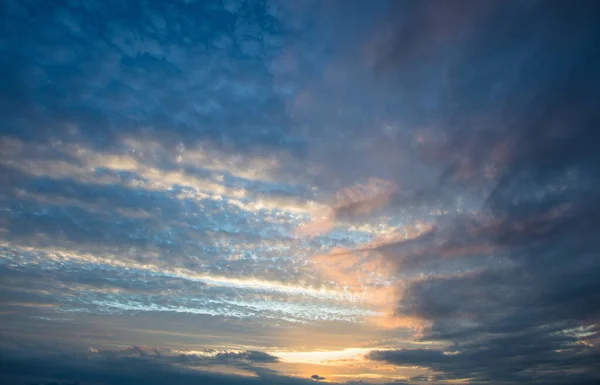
(322, 357)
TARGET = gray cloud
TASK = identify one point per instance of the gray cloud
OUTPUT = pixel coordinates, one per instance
(129, 366)
(510, 288)
(252, 356)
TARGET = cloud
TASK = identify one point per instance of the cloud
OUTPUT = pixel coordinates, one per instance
(208, 357)
(510, 311)
(252, 356)
(316, 377)
(508, 284)
(132, 365)
(106, 285)
(136, 214)
(431, 166)
(126, 55)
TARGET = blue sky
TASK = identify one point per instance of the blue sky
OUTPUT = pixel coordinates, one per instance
(299, 191)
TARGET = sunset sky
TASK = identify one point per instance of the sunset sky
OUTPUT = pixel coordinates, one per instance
(293, 192)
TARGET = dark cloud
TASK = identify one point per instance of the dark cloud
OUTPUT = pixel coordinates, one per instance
(528, 313)
(252, 356)
(244, 359)
(514, 293)
(130, 366)
(316, 377)
(505, 98)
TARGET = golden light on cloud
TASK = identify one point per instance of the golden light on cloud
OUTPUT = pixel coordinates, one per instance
(225, 369)
(356, 200)
(317, 226)
(370, 273)
(395, 321)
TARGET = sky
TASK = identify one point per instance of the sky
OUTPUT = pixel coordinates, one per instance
(295, 192)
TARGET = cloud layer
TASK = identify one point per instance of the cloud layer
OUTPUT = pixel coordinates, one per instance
(264, 176)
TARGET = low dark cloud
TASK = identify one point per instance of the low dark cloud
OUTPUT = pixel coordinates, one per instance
(316, 377)
(134, 365)
(252, 356)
